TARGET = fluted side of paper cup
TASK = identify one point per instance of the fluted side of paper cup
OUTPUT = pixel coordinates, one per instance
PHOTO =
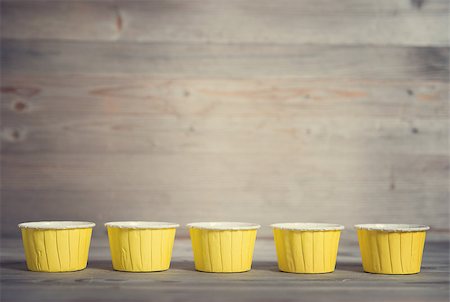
(141, 250)
(308, 252)
(398, 253)
(223, 251)
(58, 250)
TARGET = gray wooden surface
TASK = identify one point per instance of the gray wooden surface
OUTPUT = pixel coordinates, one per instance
(256, 111)
(259, 111)
(217, 60)
(263, 283)
(383, 22)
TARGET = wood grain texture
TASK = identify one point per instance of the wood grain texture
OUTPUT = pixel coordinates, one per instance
(386, 22)
(255, 111)
(263, 283)
(231, 61)
(330, 202)
(104, 114)
(251, 187)
(86, 147)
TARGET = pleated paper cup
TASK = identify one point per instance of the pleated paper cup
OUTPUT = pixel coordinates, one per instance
(56, 246)
(223, 247)
(308, 248)
(141, 246)
(394, 249)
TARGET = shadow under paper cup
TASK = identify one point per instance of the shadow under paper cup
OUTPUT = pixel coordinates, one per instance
(141, 246)
(223, 247)
(394, 249)
(56, 246)
(308, 248)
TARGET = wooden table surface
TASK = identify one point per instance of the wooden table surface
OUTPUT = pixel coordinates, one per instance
(263, 283)
(206, 110)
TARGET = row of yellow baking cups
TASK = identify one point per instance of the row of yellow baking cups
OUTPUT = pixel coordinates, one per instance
(222, 247)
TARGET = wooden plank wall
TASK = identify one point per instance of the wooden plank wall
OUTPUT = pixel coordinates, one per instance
(262, 111)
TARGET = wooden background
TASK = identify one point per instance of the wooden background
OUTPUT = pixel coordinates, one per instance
(260, 111)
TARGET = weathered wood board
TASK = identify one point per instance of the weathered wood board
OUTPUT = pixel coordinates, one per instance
(240, 110)
(188, 115)
(382, 22)
(184, 149)
(226, 60)
(263, 283)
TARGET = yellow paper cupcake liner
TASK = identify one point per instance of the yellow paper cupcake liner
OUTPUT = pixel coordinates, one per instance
(223, 251)
(305, 248)
(390, 252)
(141, 249)
(56, 250)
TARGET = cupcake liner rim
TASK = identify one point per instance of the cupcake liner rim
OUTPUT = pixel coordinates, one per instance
(141, 225)
(224, 226)
(56, 225)
(390, 227)
(307, 226)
